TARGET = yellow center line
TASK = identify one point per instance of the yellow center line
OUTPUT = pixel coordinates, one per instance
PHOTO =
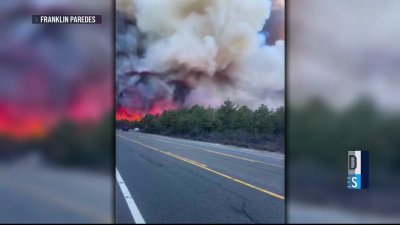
(220, 153)
(202, 166)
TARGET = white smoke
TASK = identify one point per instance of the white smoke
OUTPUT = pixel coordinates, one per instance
(357, 59)
(212, 46)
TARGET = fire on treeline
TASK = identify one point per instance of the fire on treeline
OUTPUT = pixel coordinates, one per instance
(190, 58)
(261, 128)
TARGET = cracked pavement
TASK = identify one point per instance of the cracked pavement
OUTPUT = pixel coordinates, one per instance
(171, 190)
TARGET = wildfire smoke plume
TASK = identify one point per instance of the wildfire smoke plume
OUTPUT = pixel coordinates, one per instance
(172, 54)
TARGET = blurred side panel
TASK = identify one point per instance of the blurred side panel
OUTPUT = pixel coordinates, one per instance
(343, 63)
(56, 120)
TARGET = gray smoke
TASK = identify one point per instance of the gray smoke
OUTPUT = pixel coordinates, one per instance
(195, 52)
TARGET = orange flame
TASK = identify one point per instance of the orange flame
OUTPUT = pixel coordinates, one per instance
(122, 114)
(15, 126)
(136, 115)
(19, 120)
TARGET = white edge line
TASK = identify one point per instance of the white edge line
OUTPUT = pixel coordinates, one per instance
(137, 217)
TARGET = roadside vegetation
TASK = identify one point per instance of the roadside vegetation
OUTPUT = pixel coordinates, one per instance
(87, 145)
(319, 137)
(262, 128)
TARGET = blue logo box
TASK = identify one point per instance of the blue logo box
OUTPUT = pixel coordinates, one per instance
(358, 170)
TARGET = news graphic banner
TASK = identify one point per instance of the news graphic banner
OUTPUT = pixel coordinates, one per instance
(66, 19)
(358, 170)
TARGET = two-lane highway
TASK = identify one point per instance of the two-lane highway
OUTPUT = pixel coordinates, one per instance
(170, 180)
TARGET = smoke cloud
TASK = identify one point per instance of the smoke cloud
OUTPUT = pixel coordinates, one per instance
(184, 53)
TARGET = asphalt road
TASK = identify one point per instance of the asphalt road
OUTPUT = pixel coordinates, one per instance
(171, 180)
(31, 192)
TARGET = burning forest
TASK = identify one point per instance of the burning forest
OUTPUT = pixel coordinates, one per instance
(51, 74)
(198, 52)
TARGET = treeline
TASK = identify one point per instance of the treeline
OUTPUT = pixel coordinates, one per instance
(319, 137)
(262, 128)
(69, 144)
(321, 133)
